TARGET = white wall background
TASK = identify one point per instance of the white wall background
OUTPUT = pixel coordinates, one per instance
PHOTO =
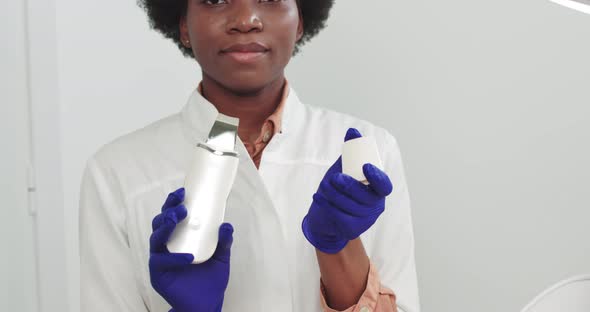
(17, 264)
(33, 269)
(489, 101)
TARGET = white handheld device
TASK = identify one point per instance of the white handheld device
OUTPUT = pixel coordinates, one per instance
(356, 153)
(207, 186)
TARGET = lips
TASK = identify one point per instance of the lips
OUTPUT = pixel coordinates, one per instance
(253, 47)
(245, 53)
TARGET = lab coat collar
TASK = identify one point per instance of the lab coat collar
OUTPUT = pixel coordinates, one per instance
(198, 116)
(293, 113)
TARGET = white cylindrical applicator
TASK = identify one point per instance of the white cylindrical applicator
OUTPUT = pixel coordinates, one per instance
(356, 153)
(207, 186)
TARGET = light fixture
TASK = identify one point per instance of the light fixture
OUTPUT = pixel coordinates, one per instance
(578, 5)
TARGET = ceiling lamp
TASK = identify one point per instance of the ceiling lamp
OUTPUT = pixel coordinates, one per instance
(578, 5)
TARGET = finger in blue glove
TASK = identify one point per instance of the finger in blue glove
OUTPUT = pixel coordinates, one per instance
(344, 208)
(186, 286)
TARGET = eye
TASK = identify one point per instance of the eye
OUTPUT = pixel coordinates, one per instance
(214, 2)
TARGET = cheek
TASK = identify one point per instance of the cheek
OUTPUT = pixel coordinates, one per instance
(285, 31)
(205, 34)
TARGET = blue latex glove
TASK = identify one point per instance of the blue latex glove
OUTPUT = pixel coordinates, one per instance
(185, 286)
(344, 208)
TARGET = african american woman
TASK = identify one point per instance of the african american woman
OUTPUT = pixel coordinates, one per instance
(298, 234)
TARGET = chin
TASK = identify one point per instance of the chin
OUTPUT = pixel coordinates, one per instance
(248, 84)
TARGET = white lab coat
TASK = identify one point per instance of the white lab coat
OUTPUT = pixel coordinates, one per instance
(273, 267)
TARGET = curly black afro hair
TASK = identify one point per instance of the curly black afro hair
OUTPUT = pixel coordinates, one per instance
(164, 16)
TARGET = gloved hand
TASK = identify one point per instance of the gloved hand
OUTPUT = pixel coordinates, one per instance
(344, 208)
(185, 286)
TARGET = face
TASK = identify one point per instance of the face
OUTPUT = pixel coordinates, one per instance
(242, 44)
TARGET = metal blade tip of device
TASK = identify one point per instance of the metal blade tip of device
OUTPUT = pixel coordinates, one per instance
(223, 135)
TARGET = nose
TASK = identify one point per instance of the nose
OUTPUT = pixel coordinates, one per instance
(244, 19)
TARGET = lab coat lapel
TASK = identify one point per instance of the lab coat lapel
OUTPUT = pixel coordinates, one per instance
(259, 248)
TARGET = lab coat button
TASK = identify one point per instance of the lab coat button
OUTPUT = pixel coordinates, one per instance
(266, 137)
(364, 309)
(194, 224)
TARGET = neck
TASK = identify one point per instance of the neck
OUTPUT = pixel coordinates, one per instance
(251, 107)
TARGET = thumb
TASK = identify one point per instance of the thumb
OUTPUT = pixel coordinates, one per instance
(223, 251)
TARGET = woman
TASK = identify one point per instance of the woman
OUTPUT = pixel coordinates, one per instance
(298, 220)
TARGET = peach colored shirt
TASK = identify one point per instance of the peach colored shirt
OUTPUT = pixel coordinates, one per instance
(376, 297)
(270, 127)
